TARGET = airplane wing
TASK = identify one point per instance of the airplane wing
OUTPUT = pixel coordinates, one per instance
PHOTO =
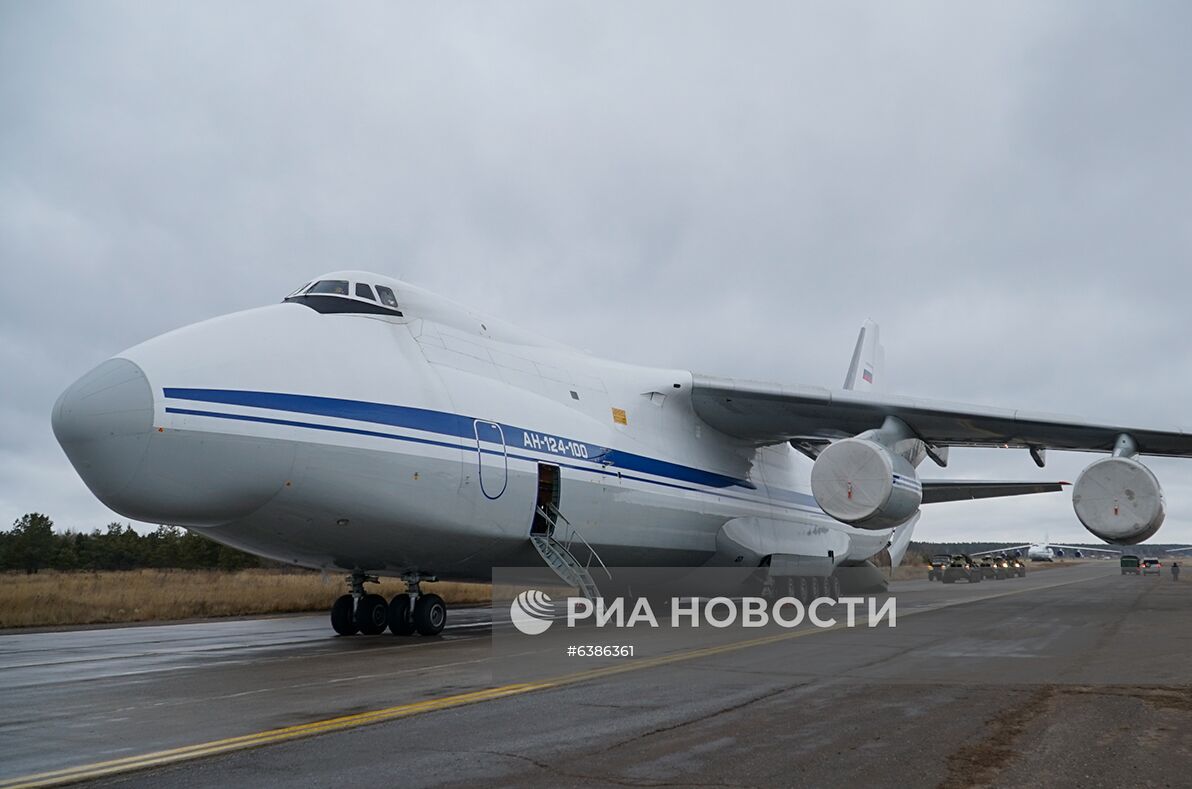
(765, 413)
(1080, 548)
(1002, 550)
(938, 490)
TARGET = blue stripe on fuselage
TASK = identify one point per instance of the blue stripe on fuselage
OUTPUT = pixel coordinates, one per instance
(798, 500)
(454, 425)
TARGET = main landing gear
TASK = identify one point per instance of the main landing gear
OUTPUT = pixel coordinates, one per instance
(407, 613)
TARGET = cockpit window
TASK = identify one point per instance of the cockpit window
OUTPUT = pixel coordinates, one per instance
(387, 297)
(326, 296)
(335, 287)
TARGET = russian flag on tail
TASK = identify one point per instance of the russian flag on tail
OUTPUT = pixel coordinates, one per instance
(866, 364)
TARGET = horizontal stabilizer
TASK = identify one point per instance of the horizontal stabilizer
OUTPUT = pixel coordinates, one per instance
(939, 490)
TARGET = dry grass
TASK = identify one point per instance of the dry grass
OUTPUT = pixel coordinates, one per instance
(50, 599)
(58, 598)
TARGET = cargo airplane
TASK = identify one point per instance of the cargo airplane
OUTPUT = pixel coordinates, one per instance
(1047, 551)
(368, 426)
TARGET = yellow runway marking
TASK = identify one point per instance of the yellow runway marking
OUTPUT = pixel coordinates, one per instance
(88, 772)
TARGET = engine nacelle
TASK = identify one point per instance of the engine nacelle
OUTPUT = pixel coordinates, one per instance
(864, 484)
(1119, 500)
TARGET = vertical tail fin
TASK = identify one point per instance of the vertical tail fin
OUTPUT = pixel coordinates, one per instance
(866, 371)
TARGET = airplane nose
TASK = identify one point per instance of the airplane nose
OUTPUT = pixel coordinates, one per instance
(157, 472)
(103, 422)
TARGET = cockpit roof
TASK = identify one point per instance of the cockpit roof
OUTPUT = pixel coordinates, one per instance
(409, 302)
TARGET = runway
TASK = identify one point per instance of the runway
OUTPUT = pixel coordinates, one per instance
(1074, 676)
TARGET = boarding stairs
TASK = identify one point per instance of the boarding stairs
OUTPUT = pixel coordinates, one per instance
(559, 546)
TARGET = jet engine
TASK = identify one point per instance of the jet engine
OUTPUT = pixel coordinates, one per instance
(1119, 500)
(864, 484)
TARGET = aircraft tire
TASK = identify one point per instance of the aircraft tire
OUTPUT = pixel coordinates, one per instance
(401, 621)
(343, 619)
(372, 615)
(430, 615)
(803, 589)
(834, 587)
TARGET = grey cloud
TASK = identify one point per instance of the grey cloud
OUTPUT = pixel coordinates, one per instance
(1003, 187)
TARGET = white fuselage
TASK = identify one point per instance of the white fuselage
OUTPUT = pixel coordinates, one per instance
(1040, 553)
(414, 442)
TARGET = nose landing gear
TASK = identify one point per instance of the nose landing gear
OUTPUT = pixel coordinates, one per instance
(415, 611)
(407, 613)
(430, 615)
(343, 616)
(401, 617)
(372, 614)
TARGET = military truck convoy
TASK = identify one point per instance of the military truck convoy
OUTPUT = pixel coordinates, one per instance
(1134, 565)
(950, 568)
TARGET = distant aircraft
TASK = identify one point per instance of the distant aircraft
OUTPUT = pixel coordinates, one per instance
(367, 425)
(1047, 551)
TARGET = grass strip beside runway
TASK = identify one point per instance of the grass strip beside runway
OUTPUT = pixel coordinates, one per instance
(52, 598)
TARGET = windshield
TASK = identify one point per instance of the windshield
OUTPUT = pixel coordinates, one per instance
(336, 287)
(387, 297)
(347, 296)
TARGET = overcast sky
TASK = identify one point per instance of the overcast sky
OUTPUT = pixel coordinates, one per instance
(729, 188)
